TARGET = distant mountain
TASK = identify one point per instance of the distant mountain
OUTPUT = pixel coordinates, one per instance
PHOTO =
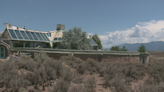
(152, 46)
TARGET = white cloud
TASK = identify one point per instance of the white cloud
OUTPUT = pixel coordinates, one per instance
(143, 32)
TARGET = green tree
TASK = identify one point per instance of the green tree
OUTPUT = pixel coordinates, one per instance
(142, 48)
(115, 48)
(75, 39)
(97, 40)
(123, 49)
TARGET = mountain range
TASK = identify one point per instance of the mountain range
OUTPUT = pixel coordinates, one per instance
(151, 46)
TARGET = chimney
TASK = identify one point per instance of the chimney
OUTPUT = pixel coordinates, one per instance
(62, 27)
(58, 27)
(23, 27)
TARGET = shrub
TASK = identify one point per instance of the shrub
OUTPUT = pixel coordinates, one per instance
(61, 86)
(77, 88)
(74, 62)
(155, 70)
(67, 74)
(91, 84)
(91, 65)
(78, 79)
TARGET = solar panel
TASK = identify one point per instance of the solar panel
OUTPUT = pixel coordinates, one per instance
(35, 37)
(29, 35)
(18, 34)
(39, 36)
(24, 34)
(12, 34)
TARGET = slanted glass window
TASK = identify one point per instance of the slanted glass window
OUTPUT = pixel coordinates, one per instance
(59, 39)
(24, 35)
(50, 34)
(39, 36)
(12, 34)
(35, 37)
(18, 34)
(46, 37)
(29, 35)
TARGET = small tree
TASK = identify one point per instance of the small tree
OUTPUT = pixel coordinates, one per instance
(114, 48)
(97, 40)
(142, 48)
(123, 49)
(75, 39)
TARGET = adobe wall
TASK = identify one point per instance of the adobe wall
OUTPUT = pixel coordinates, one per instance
(117, 58)
(105, 58)
(99, 57)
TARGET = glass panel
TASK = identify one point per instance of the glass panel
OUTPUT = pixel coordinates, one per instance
(39, 36)
(1, 54)
(18, 34)
(1, 49)
(35, 37)
(12, 34)
(55, 38)
(24, 35)
(50, 34)
(29, 35)
(59, 39)
(46, 37)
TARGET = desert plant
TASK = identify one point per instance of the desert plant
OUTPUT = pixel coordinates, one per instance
(61, 86)
(90, 84)
(77, 88)
(67, 74)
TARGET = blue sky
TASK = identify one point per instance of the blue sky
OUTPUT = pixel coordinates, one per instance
(107, 18)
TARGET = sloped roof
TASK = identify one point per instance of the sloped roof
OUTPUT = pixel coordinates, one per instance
(17, 33)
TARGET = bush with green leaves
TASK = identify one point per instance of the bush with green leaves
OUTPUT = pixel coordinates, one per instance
(116, 48)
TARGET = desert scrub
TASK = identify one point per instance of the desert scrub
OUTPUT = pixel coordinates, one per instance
(91, 65)
(75, 63)
(134, 71)
(61, 86)
(155, 70)
(90, 84)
